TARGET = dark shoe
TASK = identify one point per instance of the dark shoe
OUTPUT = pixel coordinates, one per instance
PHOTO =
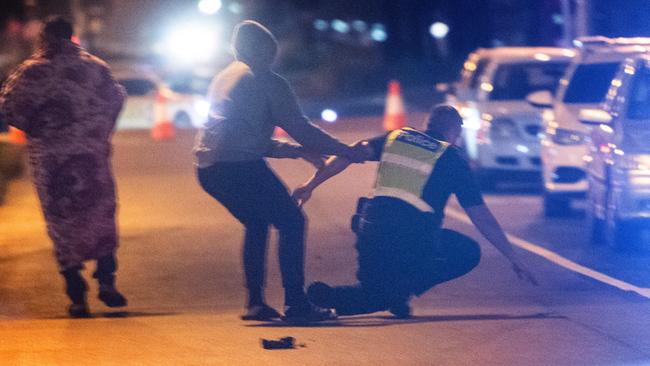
(307, 312)
(111, 297)
(75, 285)
(401, 310)
(321, 294)
(78, 311)
(260, 312)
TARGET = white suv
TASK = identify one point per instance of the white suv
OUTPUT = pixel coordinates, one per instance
(618, 162)
(584, 86)
(149, 98)
(500, 128)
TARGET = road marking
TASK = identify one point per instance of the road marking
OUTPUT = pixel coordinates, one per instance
(559, 260)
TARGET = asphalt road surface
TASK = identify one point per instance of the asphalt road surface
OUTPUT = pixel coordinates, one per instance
(180, 261)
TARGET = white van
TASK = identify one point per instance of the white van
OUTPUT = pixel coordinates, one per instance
(618, 162)
(500, 128)
(584, 86)
(149, 98)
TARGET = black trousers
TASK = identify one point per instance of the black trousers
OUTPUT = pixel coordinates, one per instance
(402, 252)
(257, 198)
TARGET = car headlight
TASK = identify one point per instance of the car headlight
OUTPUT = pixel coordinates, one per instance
(633, 169)
(634, 162)
(563, 136)
(503, 129)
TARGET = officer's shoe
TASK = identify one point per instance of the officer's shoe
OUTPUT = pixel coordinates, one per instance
(307, 313)
(401, 310)
(321, 294)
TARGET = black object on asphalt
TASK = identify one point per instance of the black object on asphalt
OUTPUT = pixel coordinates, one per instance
(282, 343)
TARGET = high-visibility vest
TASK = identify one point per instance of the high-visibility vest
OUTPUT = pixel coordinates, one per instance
(407, 161)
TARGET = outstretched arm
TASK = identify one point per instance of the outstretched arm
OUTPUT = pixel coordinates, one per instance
(487, 224)
(280, 150)
(333, 166)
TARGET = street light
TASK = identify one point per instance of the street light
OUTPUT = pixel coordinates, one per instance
(439, 30)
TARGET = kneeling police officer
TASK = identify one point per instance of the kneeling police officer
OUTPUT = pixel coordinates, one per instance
(402, 248)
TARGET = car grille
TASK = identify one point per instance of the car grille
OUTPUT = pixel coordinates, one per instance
(507, 160)
(536, 161)
(568, 175)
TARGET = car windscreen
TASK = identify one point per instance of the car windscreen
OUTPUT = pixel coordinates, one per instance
(590, 82)
(639, 99)
(137, 87)
(515, 81)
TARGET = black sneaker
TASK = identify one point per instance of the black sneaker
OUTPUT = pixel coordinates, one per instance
(111, 297)
(78, 311)
(321, 294)
(260, 312)
(306, 313)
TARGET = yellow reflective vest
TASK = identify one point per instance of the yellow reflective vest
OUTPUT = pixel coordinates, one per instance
(406, 163)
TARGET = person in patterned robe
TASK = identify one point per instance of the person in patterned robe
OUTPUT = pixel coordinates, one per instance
(67, 102)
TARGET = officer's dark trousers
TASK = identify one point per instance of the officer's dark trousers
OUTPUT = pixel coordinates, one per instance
(402, 252)
(257, 198)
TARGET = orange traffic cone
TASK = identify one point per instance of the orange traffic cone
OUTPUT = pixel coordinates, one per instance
(16, 136)
(163, 128)
(394, 115)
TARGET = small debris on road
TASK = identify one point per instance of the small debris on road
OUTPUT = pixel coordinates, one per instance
(282, 343)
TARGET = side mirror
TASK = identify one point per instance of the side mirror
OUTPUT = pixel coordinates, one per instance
(594, 117)
(540, 99)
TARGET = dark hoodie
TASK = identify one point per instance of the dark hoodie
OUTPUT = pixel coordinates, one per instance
(247, 102)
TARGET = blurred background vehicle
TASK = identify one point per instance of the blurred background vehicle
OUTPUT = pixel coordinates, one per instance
(618, 160)
(500, 128)
(12, 157)
(150, 100)
(584, 86)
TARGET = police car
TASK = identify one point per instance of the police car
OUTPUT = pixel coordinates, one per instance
(618, 159)
(563, 140)
(501, 129)
(150, 100)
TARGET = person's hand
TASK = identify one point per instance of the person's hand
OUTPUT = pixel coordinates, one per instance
(301, 195)
(359, 152)
(524, 274)
(315, 159)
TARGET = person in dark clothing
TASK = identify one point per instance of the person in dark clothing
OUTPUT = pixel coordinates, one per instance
(248, 101)
(402, 248)
(67, 103)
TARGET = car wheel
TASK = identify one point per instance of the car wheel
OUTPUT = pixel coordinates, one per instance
(555, 205)
(624, 236)
(595, 224)
(182, 120)
(621, 235)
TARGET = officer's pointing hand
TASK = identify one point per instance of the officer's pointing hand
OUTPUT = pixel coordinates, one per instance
(301, 195)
